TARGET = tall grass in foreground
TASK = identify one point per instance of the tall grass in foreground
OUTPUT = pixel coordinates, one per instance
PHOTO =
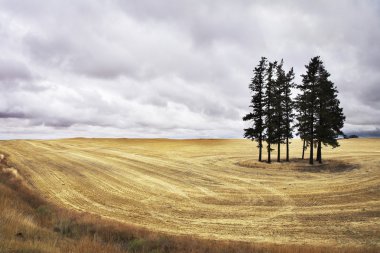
(30, 224)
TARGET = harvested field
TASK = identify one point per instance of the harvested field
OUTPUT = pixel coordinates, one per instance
(213, 189)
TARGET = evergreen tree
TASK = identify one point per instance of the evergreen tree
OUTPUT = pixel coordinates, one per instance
(330, 116)
(301, 118)
(282, 109)
(306, 102)
(256, 132)
(288, 107)
(278, 116)
(269, 107)
(320, 117)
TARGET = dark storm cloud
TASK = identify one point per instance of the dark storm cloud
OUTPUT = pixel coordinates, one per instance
(173, 68)
(19, 115)
(369, 133)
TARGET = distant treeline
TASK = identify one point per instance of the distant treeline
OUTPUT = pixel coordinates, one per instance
(315, 112)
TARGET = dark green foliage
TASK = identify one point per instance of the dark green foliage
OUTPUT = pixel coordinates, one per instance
(320, 117)
(272, 107)
(288, 109)
(283, 109)
(278, 112)
(256, 132)
(269, 109)
(330, 116)
(307, 101)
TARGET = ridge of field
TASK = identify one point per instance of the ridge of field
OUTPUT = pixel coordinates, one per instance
(213, 189)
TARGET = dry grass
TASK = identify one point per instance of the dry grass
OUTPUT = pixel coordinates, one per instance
(210, 189)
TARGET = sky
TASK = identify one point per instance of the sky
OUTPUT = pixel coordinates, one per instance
(174, 69)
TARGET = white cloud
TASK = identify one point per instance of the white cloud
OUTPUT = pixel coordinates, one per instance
(172, 68)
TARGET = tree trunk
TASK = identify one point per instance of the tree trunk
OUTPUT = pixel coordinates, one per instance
(303, 149)
(319, 152)
(287, 149)
(311, 160)
(317, 158)
(319, 148)
(287, 125)
(311, 157)
(260, 147)
(278, 152)
(269, 160)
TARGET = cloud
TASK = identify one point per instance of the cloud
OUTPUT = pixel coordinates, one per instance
(18, 115)
(172, 68)
(12, 71)
(373, 133)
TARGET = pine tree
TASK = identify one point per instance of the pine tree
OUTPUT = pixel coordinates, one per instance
(256, 132)
(269, 107)
(278, 110)
(301, 118)
(320, 117)
(282, 109)
(306, 102)
(330, 116)
(288, 107)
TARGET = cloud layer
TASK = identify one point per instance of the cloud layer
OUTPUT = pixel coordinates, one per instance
(170, 68)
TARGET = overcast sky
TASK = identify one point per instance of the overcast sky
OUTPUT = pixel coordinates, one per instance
(177, 69)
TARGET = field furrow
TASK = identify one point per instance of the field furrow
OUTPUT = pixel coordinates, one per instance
(212, 188)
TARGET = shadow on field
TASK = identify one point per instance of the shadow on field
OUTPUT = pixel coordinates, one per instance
(298, 164)
(331, 166)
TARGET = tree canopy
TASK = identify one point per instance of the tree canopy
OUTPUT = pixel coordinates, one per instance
(317, 108)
